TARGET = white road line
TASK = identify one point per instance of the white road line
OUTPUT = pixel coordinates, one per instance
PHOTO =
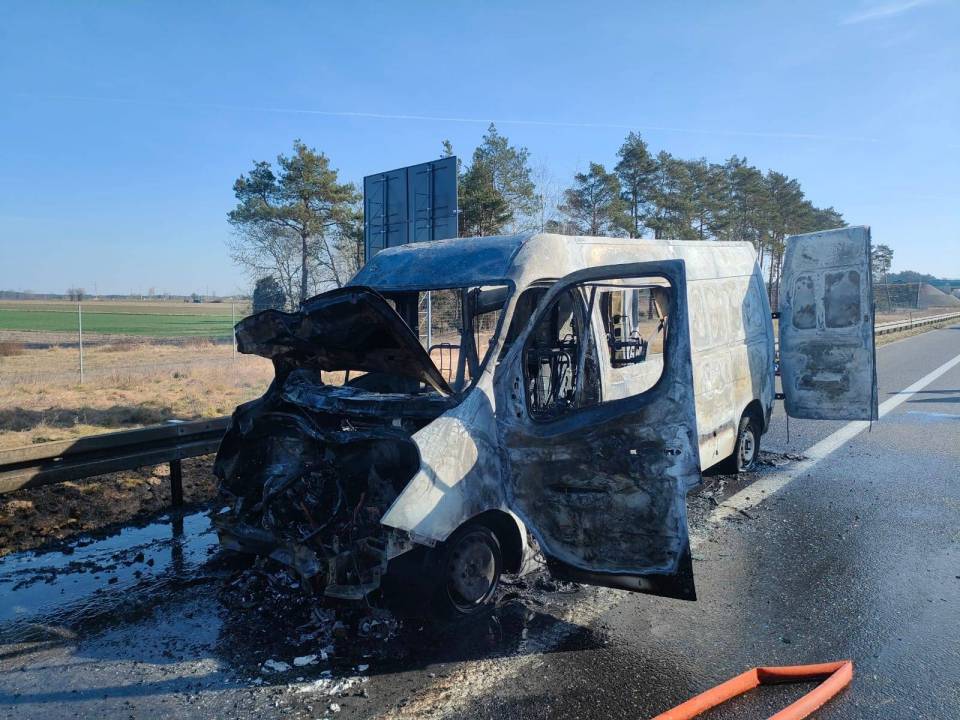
(469, 680)
(769, 484)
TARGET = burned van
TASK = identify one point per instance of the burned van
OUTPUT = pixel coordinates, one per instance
(581, 388)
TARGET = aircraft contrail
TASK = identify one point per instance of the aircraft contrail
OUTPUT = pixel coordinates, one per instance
(454, 118)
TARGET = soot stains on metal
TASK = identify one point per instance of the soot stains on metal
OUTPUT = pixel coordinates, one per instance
(826, 326)
(841, 299)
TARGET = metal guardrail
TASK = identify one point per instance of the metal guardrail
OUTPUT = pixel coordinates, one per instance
(55, 462)
(900, 325)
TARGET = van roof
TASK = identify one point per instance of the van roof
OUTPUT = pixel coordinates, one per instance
(524, 258)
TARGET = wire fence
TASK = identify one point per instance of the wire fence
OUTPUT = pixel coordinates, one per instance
(889, 298)
(124, 338)
(64, 342)
(898, 298)
(440, 327)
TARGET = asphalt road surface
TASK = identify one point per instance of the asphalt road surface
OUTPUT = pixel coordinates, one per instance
(847, 545)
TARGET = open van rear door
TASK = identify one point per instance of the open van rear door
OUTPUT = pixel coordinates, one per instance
(602, 484)
(827, 355)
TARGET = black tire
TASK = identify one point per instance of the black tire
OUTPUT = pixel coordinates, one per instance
(746, 449)
(468, 568)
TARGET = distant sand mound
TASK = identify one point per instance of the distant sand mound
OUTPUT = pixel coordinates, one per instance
(932, 297)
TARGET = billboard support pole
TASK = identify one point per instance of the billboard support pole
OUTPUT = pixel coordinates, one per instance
(429, 320)
(432, 233)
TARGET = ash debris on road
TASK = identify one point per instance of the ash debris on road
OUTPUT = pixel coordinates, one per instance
(271, 616)
(715, 487)
(268, 611)
(282, 640)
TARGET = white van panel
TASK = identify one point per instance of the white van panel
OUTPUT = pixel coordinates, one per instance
(732, 341)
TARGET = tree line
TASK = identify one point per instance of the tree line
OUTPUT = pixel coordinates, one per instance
(299, 229)
(912, 276)
(663, 196)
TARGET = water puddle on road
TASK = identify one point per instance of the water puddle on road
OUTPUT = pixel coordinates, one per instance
(101, 577)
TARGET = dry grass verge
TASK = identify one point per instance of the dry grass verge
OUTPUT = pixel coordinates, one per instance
(127, 386)
(129, 383)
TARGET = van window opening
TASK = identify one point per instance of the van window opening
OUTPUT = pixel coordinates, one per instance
(632, 323)
(560, 365)
(841, 298)
(524, 309)
(624, 321)
(456, 326)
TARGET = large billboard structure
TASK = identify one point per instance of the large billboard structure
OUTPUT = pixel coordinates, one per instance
(410, 204)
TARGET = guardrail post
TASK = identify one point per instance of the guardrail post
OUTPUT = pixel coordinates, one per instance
(176, 483)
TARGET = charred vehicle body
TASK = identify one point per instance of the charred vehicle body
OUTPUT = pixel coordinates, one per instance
(585, 386)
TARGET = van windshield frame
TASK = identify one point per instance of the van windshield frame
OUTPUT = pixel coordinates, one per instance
(458, 326)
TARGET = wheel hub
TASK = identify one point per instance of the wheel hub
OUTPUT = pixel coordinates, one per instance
(748, 448)
(472, 569)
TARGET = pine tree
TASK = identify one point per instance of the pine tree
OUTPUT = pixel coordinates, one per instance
(483, 209)
(635, 170)
(670, 196)
(594, 205)
(297, 211)
(747, 204)
(707, 199)
(499, 178)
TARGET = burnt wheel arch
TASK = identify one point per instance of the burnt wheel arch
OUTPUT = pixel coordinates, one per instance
(755, 408)
(508, 534)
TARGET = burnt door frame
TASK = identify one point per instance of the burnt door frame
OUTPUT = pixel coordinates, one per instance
(603, 487)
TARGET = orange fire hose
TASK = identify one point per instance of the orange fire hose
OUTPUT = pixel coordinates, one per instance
(835, 676)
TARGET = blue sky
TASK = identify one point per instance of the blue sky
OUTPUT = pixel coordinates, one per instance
(124, 125)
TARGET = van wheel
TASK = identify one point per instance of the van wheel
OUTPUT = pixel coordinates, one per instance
(746, 449)
(470, 566)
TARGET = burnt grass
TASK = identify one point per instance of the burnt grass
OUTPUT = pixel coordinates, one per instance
(35, 518)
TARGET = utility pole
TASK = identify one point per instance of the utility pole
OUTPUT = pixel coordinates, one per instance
(80, 335)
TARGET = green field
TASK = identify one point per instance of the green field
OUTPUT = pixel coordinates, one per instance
(103, 320)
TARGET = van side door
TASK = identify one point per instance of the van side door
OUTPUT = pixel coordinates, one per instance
(827, 354)
(601, 483)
